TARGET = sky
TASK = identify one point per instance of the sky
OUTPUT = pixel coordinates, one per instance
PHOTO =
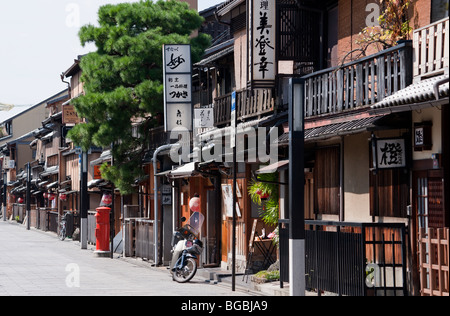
(39, 41)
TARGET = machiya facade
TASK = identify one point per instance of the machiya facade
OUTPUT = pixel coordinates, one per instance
(376, 150)
(365, 173)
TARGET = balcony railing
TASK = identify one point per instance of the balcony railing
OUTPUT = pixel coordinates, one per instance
(248, 105)
(431, 53)
(359, 83)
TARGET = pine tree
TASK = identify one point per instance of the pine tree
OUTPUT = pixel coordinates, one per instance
(123, 79)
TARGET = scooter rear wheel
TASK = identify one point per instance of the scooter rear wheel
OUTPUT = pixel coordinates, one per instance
(186, 273)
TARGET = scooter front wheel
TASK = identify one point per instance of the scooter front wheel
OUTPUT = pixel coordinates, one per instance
(186, 273)
(62, 234)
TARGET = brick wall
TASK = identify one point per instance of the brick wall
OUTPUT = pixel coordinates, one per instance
(352, 19)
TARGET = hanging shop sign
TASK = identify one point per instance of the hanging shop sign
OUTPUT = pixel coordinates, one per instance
(422, 136)
(263, 58)
(69, 115)
(177, 87)
(204, 118)
(390, 153)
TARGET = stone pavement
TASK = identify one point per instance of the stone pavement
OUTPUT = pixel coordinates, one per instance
(36, 263)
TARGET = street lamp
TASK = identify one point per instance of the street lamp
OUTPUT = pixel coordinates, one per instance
(296, 189)
(5, 179)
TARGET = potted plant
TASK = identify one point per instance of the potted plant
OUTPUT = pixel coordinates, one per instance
(264, 193)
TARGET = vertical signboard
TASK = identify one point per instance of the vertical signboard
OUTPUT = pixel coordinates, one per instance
(263, 60)
(177, 87)
(233, 120)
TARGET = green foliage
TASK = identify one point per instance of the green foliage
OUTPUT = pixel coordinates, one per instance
(269, 276)
(269, 208)
(394, 26)
(123, 79)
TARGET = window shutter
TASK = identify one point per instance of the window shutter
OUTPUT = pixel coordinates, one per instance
(327, 181)
(392, 193)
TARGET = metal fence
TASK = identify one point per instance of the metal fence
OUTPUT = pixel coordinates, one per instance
(354, 259)
(92, 224)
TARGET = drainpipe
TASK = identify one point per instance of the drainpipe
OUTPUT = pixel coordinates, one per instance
(436, 86)
(155, 225)
(341, 186)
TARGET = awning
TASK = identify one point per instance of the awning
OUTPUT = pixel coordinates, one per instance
(187, 170)
(105, 156)
(97, 183)
(184, 171)
(52, 185)
(48, 136)
(216, 56)
(163, 173)
(277, 166)
(50, 171)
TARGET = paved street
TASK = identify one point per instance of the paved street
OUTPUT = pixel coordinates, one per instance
(38, 263)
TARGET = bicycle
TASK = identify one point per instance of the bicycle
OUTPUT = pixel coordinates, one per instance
(62, 227)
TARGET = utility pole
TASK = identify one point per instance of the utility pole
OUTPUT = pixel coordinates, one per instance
(28, 196)
(5, 180)
(296, 189)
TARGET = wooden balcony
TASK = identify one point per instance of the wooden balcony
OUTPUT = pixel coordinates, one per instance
(248, 105)
(358, 84)
(431, 54)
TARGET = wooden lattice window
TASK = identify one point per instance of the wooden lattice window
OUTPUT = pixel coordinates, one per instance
(299, 32)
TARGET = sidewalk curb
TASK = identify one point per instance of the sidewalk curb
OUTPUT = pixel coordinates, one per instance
(219, 278)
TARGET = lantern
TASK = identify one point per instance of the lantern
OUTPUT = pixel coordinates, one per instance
(194, 204)
(62, 196)
(20, 200)
(51, 196)
(106, 199)
(264, 196)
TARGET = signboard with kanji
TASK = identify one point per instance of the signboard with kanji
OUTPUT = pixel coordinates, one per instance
(69, 115)
(177, 87)
(263, 61)
(391, 153)
(204, 118)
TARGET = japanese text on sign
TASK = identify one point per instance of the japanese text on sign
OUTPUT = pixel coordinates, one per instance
(264, 40)
(391, 153)
(177, 87)
(204, 117)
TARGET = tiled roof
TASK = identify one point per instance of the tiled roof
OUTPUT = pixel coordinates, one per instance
(335, 129)
(418, 92)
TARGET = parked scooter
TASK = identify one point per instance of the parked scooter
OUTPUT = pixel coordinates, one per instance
(186, 246)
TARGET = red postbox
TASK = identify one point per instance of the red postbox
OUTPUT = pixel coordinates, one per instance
(102, 229)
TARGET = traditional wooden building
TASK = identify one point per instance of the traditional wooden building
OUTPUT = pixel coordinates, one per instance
(360, 164)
